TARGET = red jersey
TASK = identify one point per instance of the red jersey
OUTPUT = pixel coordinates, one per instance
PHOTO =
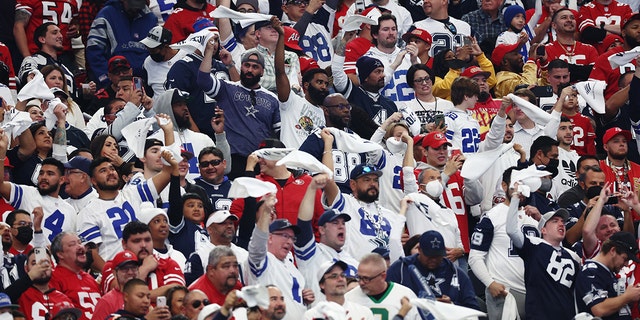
(59, 12)
(109, 303)
(167, 272)
(212, 293)
(483, 112)
(629, 176)
(289, 198)
(355, 49)
(36, 304)
(581, 54)
(341, 14)
(180, 21)
(80, 287)
(593, 14)
(584, 135)
(602, 71)
(5, 56)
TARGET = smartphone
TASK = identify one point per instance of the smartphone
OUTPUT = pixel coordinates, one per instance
(161, 301)
(541, 51)
(455, 152)
(41, 254)
(466, 41)
(542, 91)
(439, 120)
(137, 83)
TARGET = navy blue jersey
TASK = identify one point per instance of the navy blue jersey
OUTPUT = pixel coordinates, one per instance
(447, 280)
(594, 284)
(343, 162)
(549, 277)
(218, 194)
(379, 110)
(186, 237)
(182, 75)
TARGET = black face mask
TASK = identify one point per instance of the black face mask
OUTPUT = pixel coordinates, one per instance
(593, 192)
(25, 235)
(552, 167)
(157, 57)
(6, 246)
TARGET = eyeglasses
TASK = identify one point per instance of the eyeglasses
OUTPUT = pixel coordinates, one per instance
(451, 27)
(341, 106)
(364, 279)
(422, 80)
(286, 236)
(23, 224)
(336, 276)
(204, 164)
(196, 304)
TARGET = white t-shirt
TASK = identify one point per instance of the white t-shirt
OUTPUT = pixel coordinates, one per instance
(298, 118)
(157, 72)
(389, 305)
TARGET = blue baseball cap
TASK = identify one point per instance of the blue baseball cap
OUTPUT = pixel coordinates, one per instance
(281, 224)
(432, 244)
(363, 170)
(331, 215)
(6, 302)
(80, 163)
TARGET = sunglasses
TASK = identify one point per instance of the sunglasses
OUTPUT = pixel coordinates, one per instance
(341, 106)
(204, 164)
(196, 304)
(421, 80)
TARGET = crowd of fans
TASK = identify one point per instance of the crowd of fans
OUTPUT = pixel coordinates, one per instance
(319, 159)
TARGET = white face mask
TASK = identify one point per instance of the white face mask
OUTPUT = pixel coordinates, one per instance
(433, 189)
(396, 146)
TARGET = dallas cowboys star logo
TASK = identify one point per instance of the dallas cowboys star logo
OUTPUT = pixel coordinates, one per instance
(251, 111)
(435, 244)
(434, 284)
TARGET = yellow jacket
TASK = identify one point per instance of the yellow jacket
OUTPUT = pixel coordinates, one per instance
(507, 80)
(442, 87)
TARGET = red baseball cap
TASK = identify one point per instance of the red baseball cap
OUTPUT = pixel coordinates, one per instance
(307, 63)
(422, 34)
(435, 140)
(124, 257)
(291, 38)
(474, 71)
(417, 140)
(612, 132)
(500, 51)
(630, 17)
(118, 62)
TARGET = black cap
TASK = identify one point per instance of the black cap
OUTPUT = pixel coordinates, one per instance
(281, 224)
(363, 170)
(179, 96)
(151, 142)
(332, 214)
(627, 242)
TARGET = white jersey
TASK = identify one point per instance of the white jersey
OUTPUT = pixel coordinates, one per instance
(190, 141)
(567, 167)
(139, 178)
(316, 41)
(442, 37)
(396, 87)
(491, 245)
(389, 305)
(298, 118)
(426, 111)
(264, 268)
(371, 226)
(79, 204)
(58, 214)
(424, 214)
(102, 221)
(354, 311)
(173, 254)
(157, 72)
(312, 255)
(463, 131)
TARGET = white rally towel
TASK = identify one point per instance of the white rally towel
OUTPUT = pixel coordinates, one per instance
(441, 310)
(256, 295)
(196, 41)
(245, 19)
(273, 154)
(476, 164)
(297, 159)
(510, 308)
(50, 118)
(348, 142)
(36, 88)
(16, 122)
(136, 135)
(243, 187)
(353, 22)
(528, 179)
(622, 58)
(532, 111)
(5, 93)
(175, 150)
(328, 310)
(592, 91)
